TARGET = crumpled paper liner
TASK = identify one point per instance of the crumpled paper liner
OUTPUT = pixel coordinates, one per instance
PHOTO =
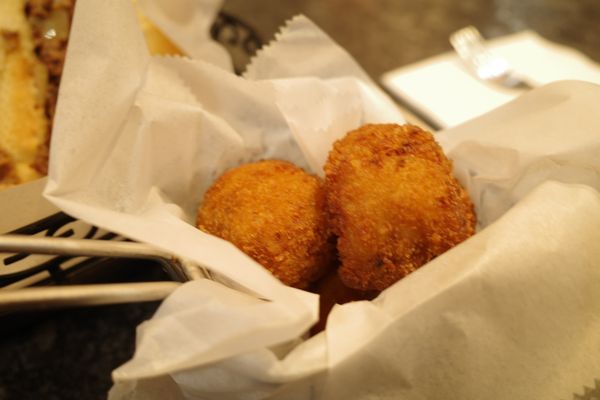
(515, 304)
(137, 140)
(547, 134)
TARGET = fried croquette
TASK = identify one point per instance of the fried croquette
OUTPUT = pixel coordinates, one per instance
(332, 291)
(393, 203)
(274, 212)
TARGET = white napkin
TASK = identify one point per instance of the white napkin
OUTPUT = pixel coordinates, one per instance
(443, 89)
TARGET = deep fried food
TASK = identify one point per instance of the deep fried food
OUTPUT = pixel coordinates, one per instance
(275, 212)
(332, 291)
(33, 46)
(393, 203)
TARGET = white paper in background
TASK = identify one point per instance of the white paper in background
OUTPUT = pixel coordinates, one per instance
(136, 158)
(444, 90)
(187, 23)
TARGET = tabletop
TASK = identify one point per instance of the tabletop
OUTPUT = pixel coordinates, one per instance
(386, 34)
(69, 354)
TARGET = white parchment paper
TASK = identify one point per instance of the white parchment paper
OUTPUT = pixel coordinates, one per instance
(511, 313)
(187, 23)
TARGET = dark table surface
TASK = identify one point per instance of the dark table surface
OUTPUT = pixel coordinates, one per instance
(69, 354)
(385, 34)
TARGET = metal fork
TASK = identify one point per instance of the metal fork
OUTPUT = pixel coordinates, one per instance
(484, 63)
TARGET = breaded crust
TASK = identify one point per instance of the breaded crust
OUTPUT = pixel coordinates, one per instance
(275, 212)
(393, 203)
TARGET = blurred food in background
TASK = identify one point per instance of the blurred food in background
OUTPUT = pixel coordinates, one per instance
(33, 45)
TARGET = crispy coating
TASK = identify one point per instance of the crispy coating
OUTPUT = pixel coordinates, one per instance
(275, 212)
(393, 203)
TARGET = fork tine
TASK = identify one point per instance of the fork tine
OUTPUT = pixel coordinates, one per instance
(471, 48)
(467, 42)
